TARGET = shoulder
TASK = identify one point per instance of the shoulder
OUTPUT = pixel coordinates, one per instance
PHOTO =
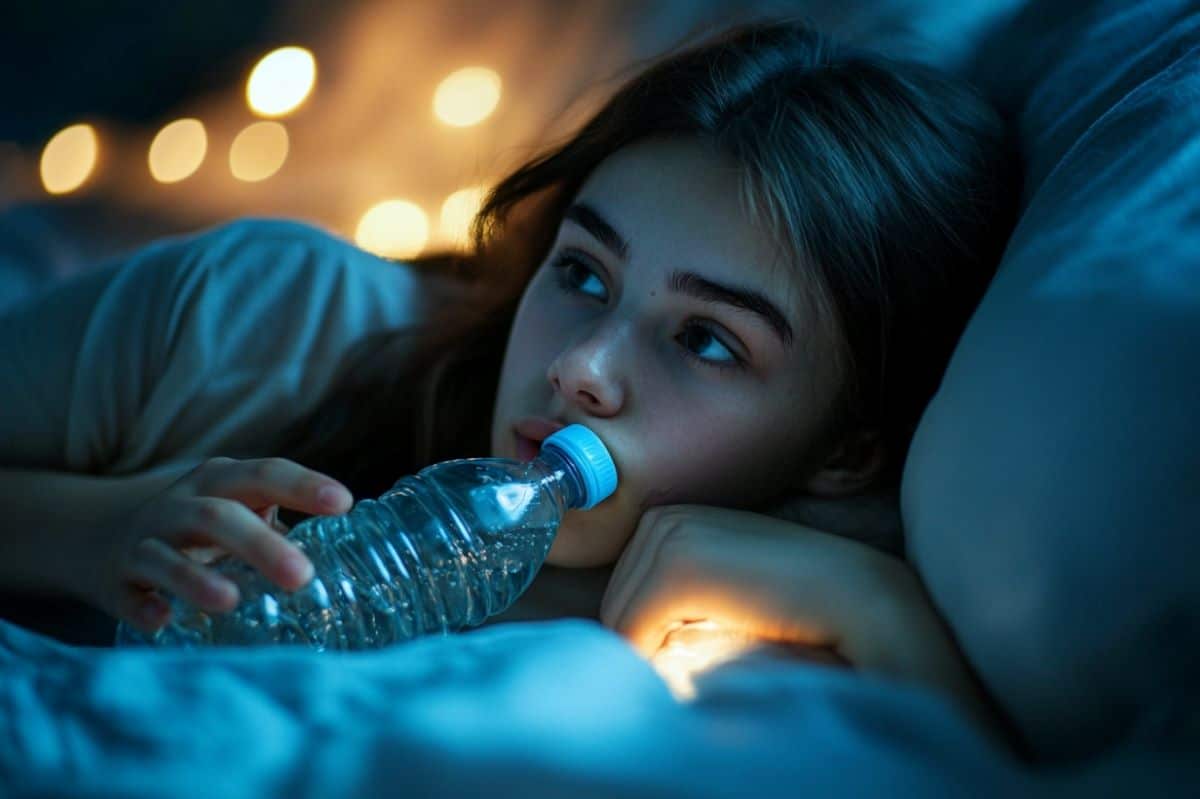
(275, 235)
(256, 268)
(241, 326)
(273, 252)
(260, 296)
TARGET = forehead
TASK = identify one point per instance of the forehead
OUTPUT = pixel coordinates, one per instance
(679, 205)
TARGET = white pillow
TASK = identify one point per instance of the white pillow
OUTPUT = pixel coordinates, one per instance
(1052, 494)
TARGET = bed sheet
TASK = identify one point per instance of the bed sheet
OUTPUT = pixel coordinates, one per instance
(530, 709)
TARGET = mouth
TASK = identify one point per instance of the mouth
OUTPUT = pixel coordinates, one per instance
(530, 432)
(527, 449)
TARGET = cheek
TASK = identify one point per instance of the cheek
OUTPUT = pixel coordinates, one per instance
(733, 464)
(677, 470)
(526, 354)
(539, 323)
(691, 473)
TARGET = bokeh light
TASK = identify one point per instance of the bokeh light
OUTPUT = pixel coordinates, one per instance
(178, 150)
(393, 229)
(457, 212)
(258, 151)
(467, 97)
(69, 158)
(281, 81)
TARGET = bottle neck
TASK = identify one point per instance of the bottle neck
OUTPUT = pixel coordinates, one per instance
(561, 470)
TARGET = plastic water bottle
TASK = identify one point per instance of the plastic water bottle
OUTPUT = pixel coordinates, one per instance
(440, 551)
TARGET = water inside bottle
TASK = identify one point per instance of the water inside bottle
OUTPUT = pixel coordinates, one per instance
(309, 615)
(441, 551)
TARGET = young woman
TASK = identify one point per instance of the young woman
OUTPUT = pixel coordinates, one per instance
(746, 273)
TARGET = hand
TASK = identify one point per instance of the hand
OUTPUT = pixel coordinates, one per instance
(782, 582)
(223, 504)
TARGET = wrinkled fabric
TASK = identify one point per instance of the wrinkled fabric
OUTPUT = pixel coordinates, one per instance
(1050, 499)
(531, 709)
(1052, 491)
(191, 346)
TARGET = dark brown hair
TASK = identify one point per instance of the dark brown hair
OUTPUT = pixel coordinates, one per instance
(892, 184)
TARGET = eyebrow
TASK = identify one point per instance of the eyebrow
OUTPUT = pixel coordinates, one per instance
(688, 283)
(590, 220)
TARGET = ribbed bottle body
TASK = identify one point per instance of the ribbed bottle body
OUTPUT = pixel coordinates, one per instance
(440, 551)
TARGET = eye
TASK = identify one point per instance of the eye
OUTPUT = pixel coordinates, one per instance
(574, 275)
(700, 343)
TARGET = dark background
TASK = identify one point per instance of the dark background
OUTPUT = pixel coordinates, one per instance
(366, 133)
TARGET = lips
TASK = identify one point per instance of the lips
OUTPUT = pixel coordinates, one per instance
(530, 432)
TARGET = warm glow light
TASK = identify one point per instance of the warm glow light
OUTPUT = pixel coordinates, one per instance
(393, 229)
(281, 81)
(467, 96)
(258, 151)
(178, 150)
(694, 647)
(457, 212)
(69, 158)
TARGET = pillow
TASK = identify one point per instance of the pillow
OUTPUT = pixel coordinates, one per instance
(1051, 498)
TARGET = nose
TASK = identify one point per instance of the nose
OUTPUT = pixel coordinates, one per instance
(586, 372)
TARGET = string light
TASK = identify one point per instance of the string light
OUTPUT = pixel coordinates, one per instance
(393, 229)
(69, 158)
(281, 81)
(457, 212)
(178, 150)
(467, 97)
(258, 151)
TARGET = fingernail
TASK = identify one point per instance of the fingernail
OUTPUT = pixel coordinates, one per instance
(299, 569)
(333, 497)
(223, 588)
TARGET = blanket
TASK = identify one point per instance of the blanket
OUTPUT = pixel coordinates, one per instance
(529, 709)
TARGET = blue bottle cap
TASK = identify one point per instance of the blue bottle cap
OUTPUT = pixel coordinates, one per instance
(587, 451)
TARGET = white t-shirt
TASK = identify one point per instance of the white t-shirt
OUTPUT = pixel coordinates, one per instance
(191, 347)
(198, 345)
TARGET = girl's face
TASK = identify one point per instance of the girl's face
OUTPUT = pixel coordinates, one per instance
(661, 320)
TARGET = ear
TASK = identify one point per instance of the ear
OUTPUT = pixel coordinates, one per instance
(853, 465)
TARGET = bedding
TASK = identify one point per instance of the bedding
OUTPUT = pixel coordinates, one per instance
(1050, 500)
(1050, 496)
(528, 709)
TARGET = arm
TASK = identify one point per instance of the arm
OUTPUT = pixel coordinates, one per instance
(48, 513)
(118, 542)
(783, 582)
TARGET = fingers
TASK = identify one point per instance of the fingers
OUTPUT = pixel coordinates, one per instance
(243, 533)
(157, 564)
(641, 601)
(658, 614)
(271, 517)
(145, 610)
(666, 600)
(272, 481)
(745, 571)
(225, 506)
(637, 562)
(628, 572)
